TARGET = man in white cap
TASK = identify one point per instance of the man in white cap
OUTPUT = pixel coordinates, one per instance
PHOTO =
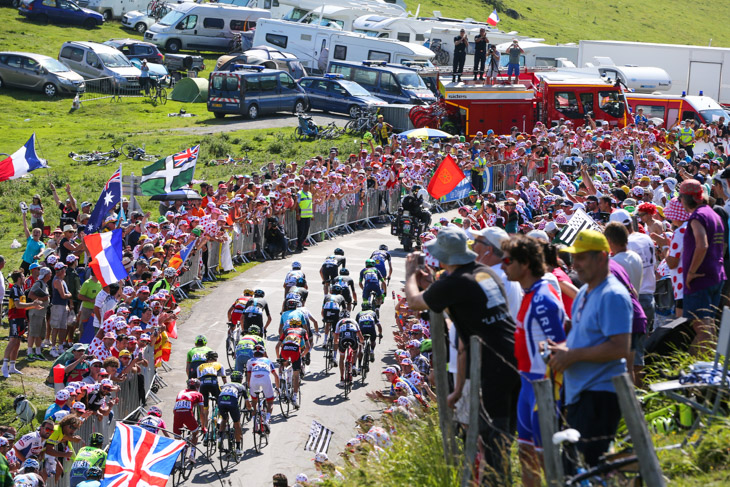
(488, 246)
(477, 305)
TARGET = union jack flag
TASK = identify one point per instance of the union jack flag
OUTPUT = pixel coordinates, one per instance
(188, 155)
(116, 178)
(138, 458)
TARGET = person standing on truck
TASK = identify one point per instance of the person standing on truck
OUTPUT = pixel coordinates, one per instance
(513, 66)
(493, 67)
(686, 138)
(480, 53)
(460, 44)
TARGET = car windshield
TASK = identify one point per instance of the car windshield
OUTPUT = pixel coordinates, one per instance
(713, 115)
(114, 60)
(54, 66)
(354, 89)
(411, 81)
(172, 18)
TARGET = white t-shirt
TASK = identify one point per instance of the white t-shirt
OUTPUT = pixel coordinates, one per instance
(2, 286)
(99, 302)
(644, 246)
(631, 262)
(513, 290)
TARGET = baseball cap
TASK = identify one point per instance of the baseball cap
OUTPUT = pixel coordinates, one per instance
(588, 241)
(321, 457)
(62, 395)
(79, 346)
(110, 335)
(389, 370)
(621, 216)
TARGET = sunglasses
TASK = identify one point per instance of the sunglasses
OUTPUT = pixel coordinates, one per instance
(507, 260)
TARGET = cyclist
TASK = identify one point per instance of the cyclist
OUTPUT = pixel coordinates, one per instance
(332, 308)
(367, 320)
(235, 312)
(93, 478)
(291, 311)
(153, 422)
(328, 272)
(301, 288)
(245, 346)
(187, 401)
(31, 476)
(294, 344)
(347, 334)
(381, 256)
(348, 288)
(88, 457)
(258, 375)
(291, 277)
(263, 305)
(208, 374)
(228, 404)
(307, 322)
(371, 280)
(196, 356)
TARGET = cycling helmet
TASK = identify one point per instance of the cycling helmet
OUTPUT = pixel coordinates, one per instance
(31, 465)
(336, 289)
(370, 263)
(344, 272)
(254, 330)
(416, 188)
(155, 411)
(193, 384)
(383, 247)
(295, 323)
(94, 473)
(212, 355)
(96, 439)
(293, 296)
(301, 282)
(366, 306)
(260, 349)
(296, 265)
(292, 304)
(248, 292)
(575, 151)
(237, 376)
(339, 251)
(259, 293)
(201, 341)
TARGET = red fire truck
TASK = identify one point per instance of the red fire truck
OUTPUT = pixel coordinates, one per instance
(540, 95)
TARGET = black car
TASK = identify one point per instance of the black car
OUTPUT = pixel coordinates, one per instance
(134, 49)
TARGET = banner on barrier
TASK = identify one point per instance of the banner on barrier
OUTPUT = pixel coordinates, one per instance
(462, 190)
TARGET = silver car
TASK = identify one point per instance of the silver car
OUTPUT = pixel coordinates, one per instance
(38, 72)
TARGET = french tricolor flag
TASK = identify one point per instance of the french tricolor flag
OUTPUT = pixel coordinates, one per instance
(105, 250)
(493, 18)
(23, 161)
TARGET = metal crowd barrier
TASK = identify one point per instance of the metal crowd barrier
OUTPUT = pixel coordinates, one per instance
(214, 259)
(191, 276)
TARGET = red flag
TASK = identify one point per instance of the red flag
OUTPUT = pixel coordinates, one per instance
(446, 177)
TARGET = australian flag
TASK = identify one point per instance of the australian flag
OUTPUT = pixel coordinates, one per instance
(138, 458)
(110, 197)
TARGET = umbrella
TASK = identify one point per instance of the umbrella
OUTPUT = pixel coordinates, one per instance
(179, 194)
(425, 133)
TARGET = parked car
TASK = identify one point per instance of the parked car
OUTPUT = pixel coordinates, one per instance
(93, 61)
(39, 73)
(135, 49)
(157, 71)
(138, 21)
(332, 93)
(61, 11)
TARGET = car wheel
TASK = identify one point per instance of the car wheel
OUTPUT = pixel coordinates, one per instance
(50, 90)
(173, 46)
(253, 112)
(219, 114)
(299, 106)
(89, 23)
(141, 27)
(354, 111)
(107, 15)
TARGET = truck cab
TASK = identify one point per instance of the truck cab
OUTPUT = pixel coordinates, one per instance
(576, 98)
(667, 110)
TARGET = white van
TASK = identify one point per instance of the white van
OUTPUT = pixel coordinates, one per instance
(315, 46)
(115, 9)
(207, 27)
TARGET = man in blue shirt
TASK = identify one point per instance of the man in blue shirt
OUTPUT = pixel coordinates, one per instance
(597, 346)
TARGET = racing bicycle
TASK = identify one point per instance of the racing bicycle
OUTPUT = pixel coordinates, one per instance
(286, 388)
(349, 364)
(183, 468)
(211, 436)
(133, 152)
(101, 158)
(260, 432)
(227, 447)
(329, 351)
(158, 93)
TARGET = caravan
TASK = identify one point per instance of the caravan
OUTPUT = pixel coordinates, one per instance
(316, 46)
(207, 27)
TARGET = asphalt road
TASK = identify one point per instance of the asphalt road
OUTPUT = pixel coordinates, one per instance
(279, 120)
(322, 400)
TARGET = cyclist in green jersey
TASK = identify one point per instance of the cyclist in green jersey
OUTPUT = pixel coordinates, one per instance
(88, 457)
(196, 356)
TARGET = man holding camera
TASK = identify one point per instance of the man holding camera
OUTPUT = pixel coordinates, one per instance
(493, 68)
(480, 53)
(513, 66)
(460, 44)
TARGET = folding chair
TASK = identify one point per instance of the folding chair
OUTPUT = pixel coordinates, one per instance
(673, 388)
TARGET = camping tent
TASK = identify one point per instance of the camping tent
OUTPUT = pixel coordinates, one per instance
(191, 90)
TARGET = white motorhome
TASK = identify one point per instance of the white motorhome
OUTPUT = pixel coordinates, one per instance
(296, 9)
(638, 79)
(206, 27)
(115, 9)
(693, 69)
(538, 54)
(315, 46)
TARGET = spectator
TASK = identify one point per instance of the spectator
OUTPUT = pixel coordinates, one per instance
(60, 305)
(304, 214)
(6, 478)
(87, 295)
(33, 247)
(598, 343)
(618, 240)
(36, 212)
(2, 286)
(461, 43)
(513, 65)
(702, 263)
(488, 246)
(480, 54)
(474, 297)
(77, 367)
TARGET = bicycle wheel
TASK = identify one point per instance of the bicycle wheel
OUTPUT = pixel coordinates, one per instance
(83, 157)
(187, 467)
(257, 431)
(230, 353)
(365, 363)
(163, 96)
(129, 150)
(211, 444)
(348, 372)
(284, 401)
(229, 448)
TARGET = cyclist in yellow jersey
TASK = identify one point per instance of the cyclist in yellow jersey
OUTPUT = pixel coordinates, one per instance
(208, 374)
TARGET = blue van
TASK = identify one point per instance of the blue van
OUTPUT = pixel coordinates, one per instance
(391, 83)
(253, 91)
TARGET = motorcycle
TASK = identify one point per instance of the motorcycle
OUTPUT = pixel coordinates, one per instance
(407, 228)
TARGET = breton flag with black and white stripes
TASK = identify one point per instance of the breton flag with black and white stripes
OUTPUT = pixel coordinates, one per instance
(578, 222)
(319, 438)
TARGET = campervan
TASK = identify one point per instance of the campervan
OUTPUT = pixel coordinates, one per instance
(206, 27)
(296, 9)
(115, 9)
(316, 46)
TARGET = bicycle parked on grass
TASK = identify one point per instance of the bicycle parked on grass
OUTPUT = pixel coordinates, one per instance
(101, 158)
(158, 93)
(364, 120)
(133, 152)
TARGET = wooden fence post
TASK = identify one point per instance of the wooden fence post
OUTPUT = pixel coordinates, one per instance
(472, 434)
(440, 361)
(548, 425)
(651, 471)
